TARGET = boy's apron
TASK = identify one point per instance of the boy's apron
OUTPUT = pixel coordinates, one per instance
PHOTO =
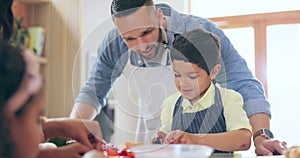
(151, 85)
(210, 120)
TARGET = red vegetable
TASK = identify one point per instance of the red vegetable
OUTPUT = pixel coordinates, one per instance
(111, 152)
(123, 152)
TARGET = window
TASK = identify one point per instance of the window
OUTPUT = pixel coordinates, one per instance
(245, 46)
(215, 8)
(283, 55)
(276, 55)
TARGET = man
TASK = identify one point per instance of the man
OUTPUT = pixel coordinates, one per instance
(141, 28)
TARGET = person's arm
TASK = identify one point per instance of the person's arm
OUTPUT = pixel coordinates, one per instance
(83, 111)
(258, 121)
(262, 145)
(228, 141)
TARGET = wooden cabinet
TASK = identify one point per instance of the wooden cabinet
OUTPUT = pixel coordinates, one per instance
(25, 9)
(34, 2)
(41, 60)
(22, 9)
(63, 25)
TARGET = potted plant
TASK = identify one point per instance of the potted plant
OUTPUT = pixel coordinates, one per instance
(20, 38)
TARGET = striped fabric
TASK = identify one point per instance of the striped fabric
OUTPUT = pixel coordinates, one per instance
(210, 120)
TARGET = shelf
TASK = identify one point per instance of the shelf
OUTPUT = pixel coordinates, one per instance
(41, 60)
(34, 2)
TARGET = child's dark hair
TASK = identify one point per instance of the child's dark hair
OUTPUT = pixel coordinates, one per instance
(198, 47)
(6, 19)
(12, 70)
(120, 8)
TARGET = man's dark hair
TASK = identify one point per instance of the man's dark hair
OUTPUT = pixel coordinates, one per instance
(120, 8)
(6, 19)
(198, 47)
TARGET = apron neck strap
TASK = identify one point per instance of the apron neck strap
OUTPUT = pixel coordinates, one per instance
(141, 61)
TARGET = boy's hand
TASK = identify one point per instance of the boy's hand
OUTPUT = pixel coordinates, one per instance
(159, 138)
(180, 137)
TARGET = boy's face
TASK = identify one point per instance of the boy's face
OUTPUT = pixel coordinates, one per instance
(190, 80)
(140, 30)
(26, 130)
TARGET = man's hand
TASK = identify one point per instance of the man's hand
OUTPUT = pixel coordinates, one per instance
(265, 146)
(268, 147)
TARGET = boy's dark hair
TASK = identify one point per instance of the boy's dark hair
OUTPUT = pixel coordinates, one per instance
(12, 70)
(6, 19)
(198, 47)
(120, 8)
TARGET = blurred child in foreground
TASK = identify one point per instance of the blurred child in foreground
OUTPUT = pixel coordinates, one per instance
(22, 129)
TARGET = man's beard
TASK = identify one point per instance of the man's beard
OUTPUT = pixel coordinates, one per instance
(159, 46)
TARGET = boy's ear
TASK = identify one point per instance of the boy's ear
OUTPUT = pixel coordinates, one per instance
(214, 72)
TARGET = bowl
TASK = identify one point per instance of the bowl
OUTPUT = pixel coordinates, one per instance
(172, 151)
(93, 154)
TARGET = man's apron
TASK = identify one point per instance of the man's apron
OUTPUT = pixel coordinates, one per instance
(151, 86)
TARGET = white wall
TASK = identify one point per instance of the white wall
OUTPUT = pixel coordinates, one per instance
(179, 5)
(96, 13)
(233, 7)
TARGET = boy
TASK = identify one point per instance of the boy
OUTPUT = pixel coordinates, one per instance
(202, 112)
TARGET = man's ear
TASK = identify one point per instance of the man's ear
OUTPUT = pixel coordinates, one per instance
(159, 13)
(214, 72)
(161, 18)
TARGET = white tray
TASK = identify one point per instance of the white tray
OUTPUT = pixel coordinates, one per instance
(172, 151)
